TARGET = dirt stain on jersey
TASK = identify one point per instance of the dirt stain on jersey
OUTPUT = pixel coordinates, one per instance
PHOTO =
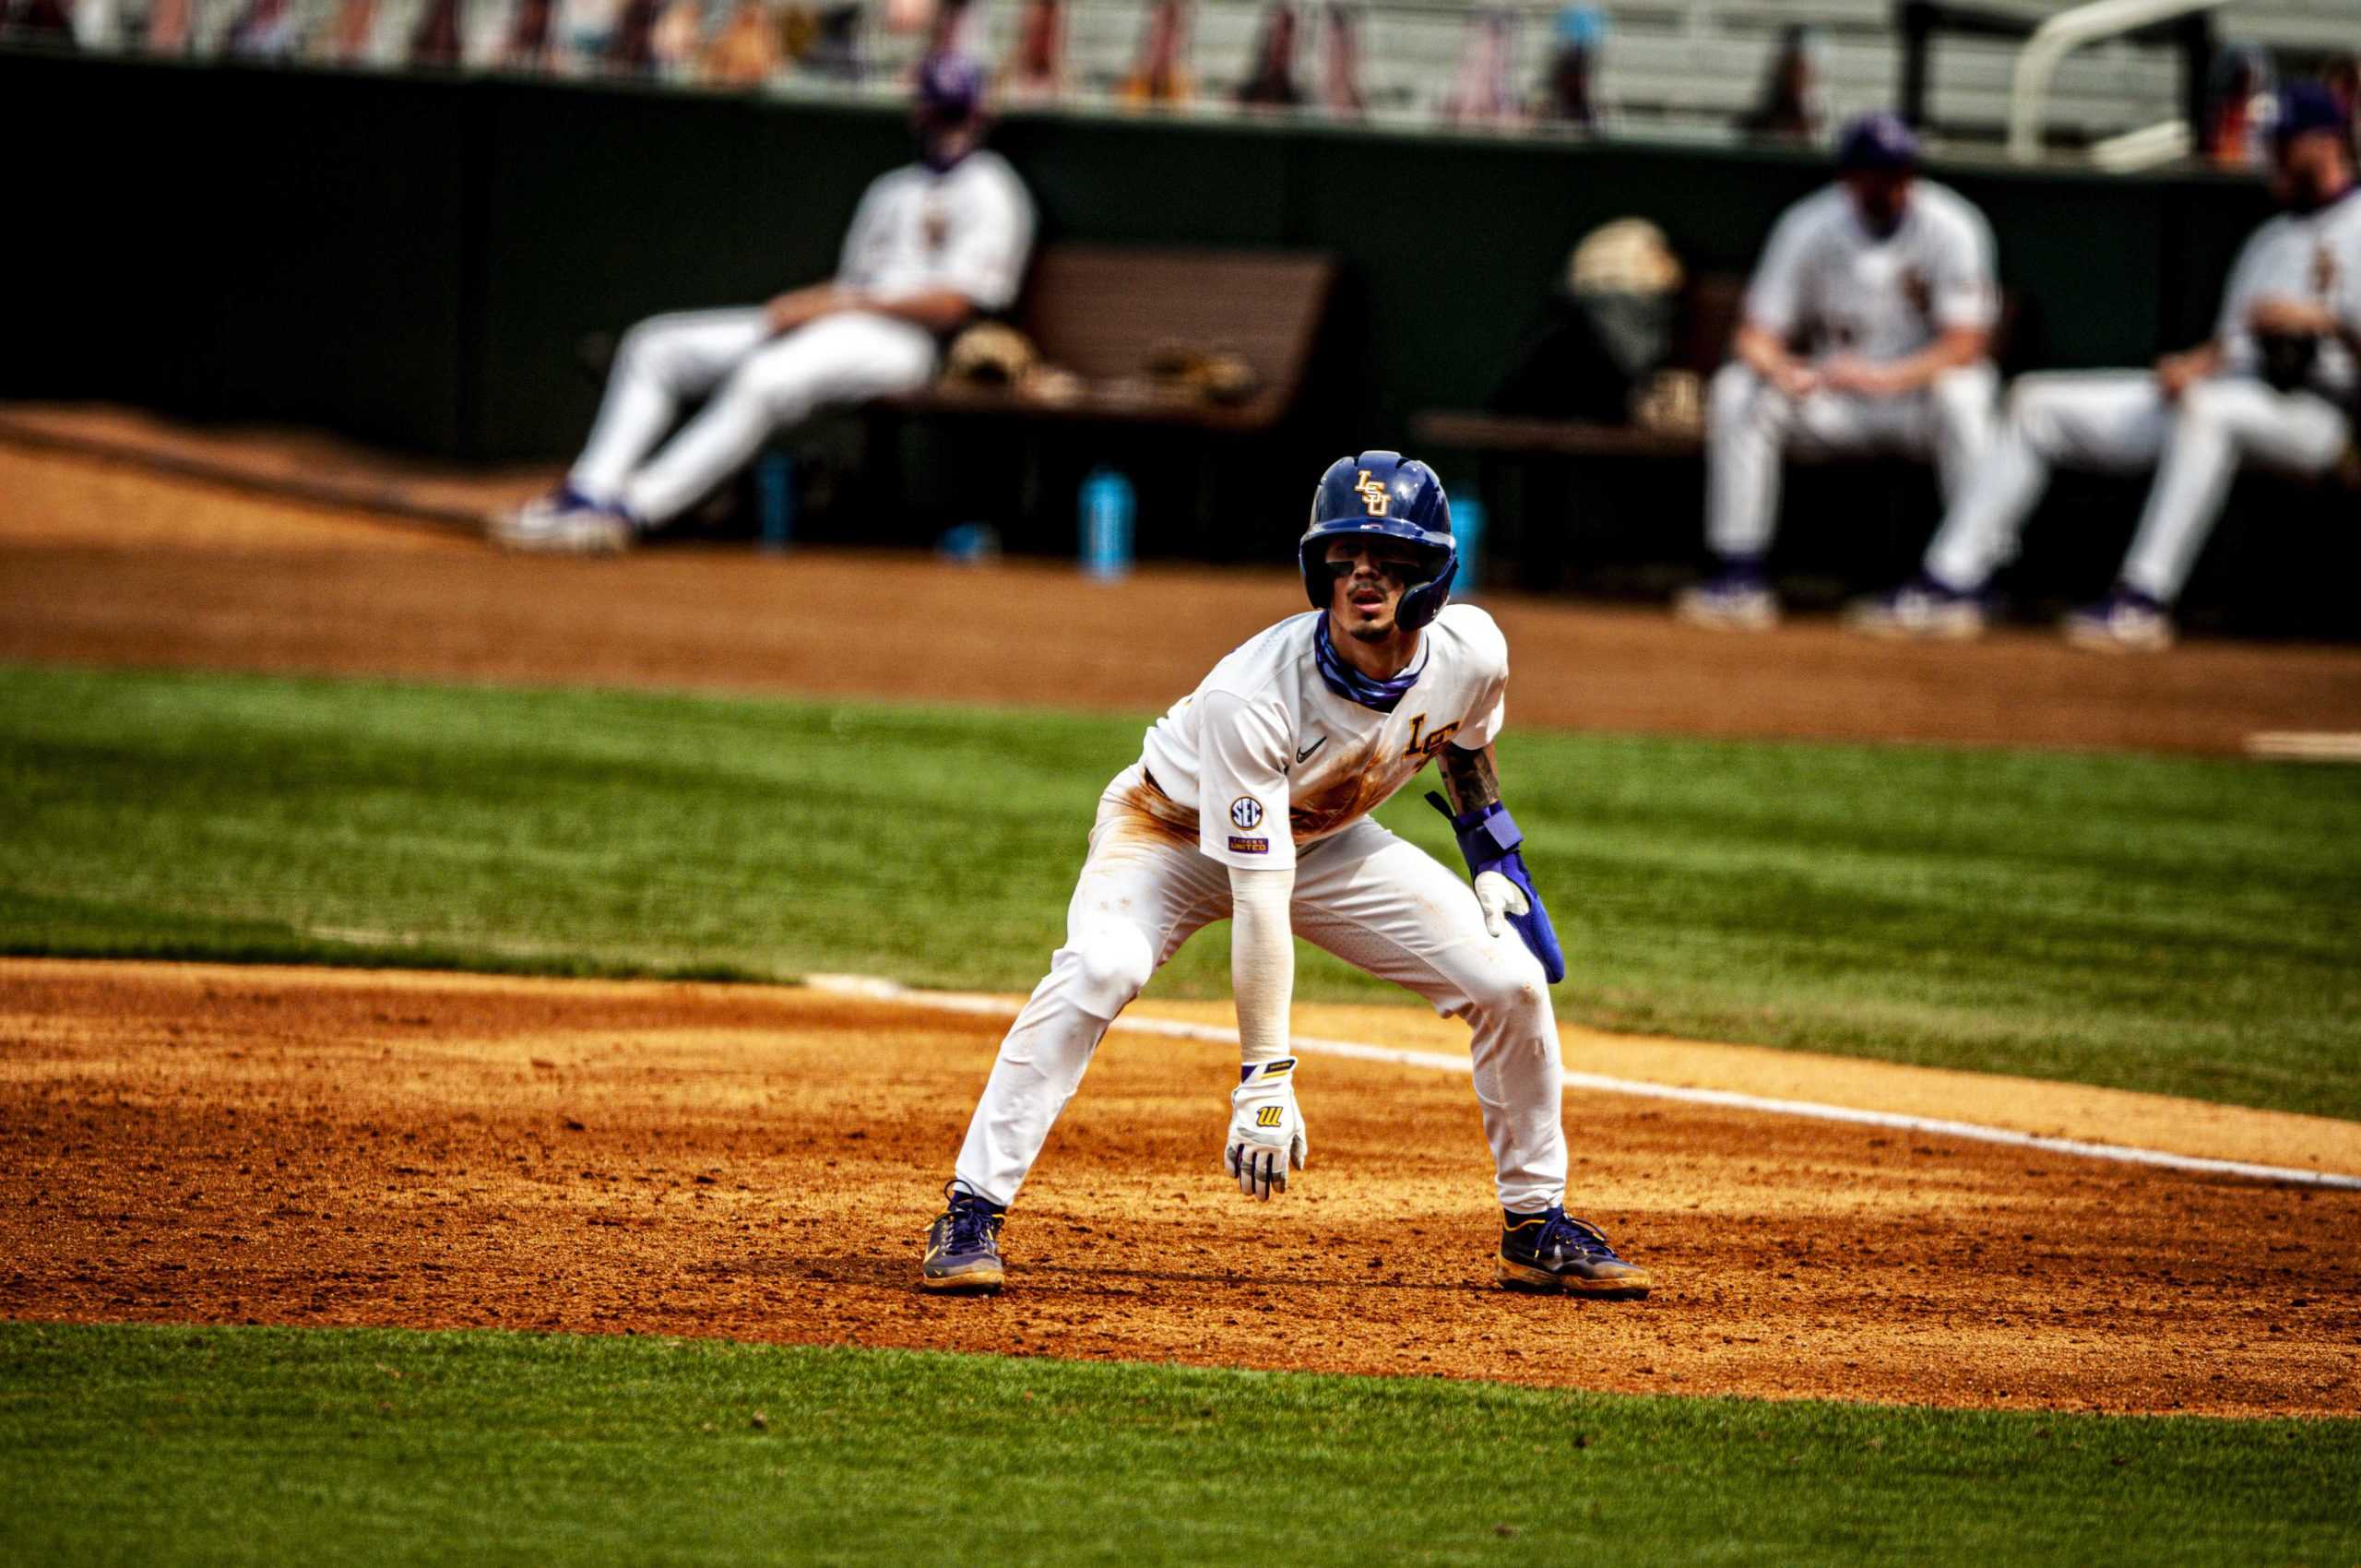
(1362, 782)
(1358, 784)
(1151, 811)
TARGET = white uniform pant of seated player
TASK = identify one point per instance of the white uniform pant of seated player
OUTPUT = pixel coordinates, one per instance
(765, 383)
(2121, 421)
(1751, 425)
(1374, 900)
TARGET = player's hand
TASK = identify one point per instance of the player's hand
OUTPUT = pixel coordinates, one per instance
(1863, 377)
(1795, 378)
(2282, 317)
(1500, 899)
(2176, 374)
(1265, 1131)
(798, 307)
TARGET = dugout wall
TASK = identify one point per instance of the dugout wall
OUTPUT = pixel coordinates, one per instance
(414, 259)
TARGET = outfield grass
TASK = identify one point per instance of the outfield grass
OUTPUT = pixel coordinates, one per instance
(161, 1446)
(2179, 925)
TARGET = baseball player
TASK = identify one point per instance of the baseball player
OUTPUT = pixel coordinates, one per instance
(1886, 278)
(1250, 801)
(2274, 384)
(930, 246)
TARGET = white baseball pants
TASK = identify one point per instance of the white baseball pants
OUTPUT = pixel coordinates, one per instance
(2121, 421)
(1751, 425)
(765, 383)
(1372, 899)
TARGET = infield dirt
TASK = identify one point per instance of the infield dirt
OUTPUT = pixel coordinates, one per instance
(108, 566)
(224, 1144)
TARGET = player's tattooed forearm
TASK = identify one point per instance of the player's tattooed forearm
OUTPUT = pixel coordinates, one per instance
(1469, 780)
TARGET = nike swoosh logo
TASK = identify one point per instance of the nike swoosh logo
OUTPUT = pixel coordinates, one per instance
(1312, 748)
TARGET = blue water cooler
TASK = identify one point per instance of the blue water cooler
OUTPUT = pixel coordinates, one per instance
(775, 500)
(1106, 542)
(1467, 533)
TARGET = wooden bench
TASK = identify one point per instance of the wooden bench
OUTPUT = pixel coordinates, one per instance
(1103, 312)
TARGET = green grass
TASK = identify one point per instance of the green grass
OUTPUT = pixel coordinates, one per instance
(175, 1445)
(2179, 925)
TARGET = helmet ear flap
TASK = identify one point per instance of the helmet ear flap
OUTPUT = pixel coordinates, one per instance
(1315, 572)
(1423, 603)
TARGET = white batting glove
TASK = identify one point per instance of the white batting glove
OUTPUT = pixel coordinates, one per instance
(1265, 1131)
(1499, 897)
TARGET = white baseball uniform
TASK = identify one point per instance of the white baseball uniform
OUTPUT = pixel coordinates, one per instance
(2122, 420)
(1266, 766)
(1826, 278)
(968, 229)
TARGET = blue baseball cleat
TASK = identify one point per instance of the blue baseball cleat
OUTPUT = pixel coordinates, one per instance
(963, 1245)
(564, 522)
(2126, 620)
(1736, 599)
(1924, 609)
(1552, 1252)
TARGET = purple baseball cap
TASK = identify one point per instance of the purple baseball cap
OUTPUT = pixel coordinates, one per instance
(951, 86)
(2304, 107)
(1877, 141)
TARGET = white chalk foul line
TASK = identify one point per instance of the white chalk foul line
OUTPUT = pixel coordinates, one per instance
(2305, 745)
(878, 990)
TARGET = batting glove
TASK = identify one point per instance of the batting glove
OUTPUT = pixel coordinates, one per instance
(1500, 896)
(1265, 1130)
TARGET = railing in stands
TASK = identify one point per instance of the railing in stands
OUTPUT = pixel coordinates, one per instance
(2068, 31)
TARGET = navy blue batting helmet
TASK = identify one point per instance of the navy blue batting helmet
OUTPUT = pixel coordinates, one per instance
(1386, 494)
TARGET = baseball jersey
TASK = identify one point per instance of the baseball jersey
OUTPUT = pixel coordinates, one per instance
(968, 229)
(2298, 256)
(1843, 290)
(1263, 757)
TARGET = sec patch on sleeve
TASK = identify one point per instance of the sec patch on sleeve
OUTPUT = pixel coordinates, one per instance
(1246, 812)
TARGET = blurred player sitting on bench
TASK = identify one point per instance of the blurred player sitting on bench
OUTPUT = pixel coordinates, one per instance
(2274, 384)
(930, 245)
(1887, 280)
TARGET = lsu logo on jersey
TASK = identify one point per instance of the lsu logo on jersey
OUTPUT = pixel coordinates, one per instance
(1919, 293)
(1246, 812)
(1372, 494)
(1423, 746)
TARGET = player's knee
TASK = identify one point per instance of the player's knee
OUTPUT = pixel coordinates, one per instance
(1732, 395)
(2207, 405)
(1513, 988)
(641, 348)
(1106, 968)
(2031, 409)
(1964, 391)
(651, 351)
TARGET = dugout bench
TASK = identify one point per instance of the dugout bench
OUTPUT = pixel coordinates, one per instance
(1105, 314)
